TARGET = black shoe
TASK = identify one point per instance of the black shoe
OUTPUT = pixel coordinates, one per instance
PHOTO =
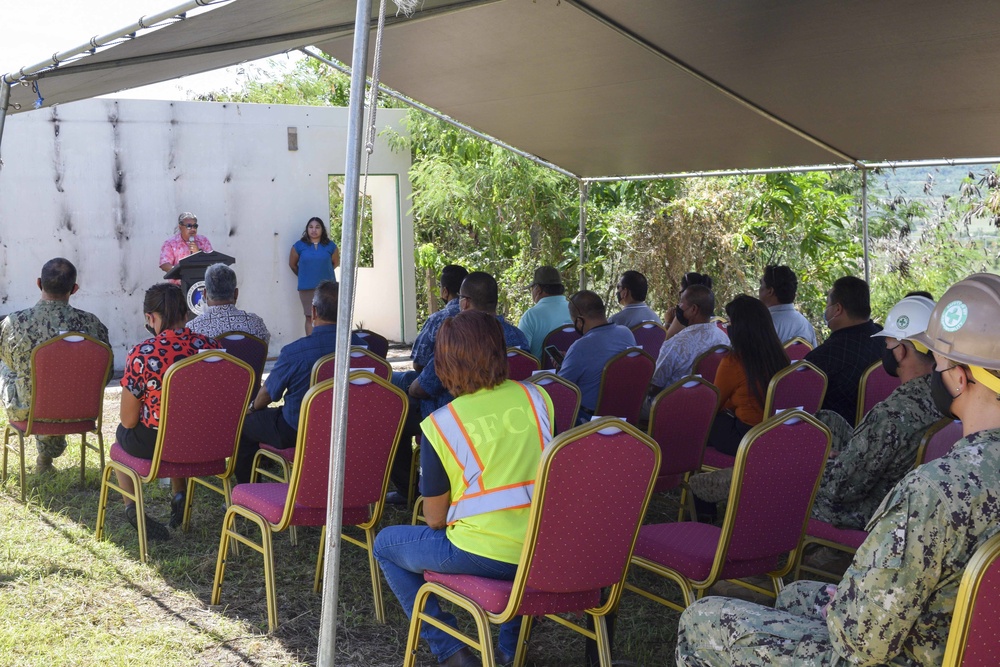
(155, 531)
(503, 659)
(177, 509)
(395, 498)
(463, 658)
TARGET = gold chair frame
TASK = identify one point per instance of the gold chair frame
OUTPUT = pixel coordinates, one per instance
(9, 429)
(483, 618)
(965, 602)
(108, 482)
(266, 548)
(794, 367)
(693, 590)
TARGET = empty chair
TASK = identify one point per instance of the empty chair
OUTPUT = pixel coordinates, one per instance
(974, 636)
(708, 362)
(574, 546)
(565, 399)
(649, 336)
(250, 349)
(797, 348)
(561, 338)
(377, 343)
(938, 440)
(680, 420)
(68, 376)
(360, 359)
(521, 364)
(376, 412)
(193, 440)
(874, 387)
(624, 382)
(778, 468)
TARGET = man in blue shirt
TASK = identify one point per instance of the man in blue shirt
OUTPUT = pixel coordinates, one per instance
(278, 427)
(601, 340)
(479, 292)
(423, 346)
(551, 310)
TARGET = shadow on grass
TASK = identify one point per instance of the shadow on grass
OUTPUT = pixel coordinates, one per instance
(645, 635)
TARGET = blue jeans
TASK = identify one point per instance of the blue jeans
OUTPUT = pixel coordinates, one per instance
(404, 552)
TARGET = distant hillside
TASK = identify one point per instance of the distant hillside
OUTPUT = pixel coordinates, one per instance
(946, 180)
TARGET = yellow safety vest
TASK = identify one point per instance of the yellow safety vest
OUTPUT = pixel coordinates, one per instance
(490, 443)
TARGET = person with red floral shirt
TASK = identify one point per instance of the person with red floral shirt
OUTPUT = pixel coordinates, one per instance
(165, 311)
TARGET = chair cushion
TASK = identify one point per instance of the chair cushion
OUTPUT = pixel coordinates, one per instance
(167, 469)
(57, 428)
(717, 459)
(493, 594)
(288, 453)
(847, 536)
(689, 549)
(268, 500)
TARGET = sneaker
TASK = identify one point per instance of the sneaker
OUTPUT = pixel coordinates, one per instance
(155, 531)
(177, 509)
(43, 464)
(503, 659)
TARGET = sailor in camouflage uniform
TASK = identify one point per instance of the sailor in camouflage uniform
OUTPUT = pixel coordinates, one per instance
(895, 602)
(869, 460)
(23, 330)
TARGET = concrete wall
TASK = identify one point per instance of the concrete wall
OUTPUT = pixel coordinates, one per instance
(101, 182)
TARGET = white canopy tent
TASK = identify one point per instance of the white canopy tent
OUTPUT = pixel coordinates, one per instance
(602, 88)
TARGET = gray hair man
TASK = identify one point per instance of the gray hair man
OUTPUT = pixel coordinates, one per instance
(222, 315)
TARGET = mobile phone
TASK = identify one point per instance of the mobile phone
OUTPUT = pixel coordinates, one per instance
(554, 354)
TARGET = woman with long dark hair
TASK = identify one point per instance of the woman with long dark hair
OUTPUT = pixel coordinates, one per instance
(313, 259)
(744, 373)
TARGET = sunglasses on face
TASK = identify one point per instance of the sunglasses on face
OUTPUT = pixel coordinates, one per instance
(194, 226)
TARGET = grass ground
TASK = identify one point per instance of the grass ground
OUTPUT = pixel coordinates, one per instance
(67, 599)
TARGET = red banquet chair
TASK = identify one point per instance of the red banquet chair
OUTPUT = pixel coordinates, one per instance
(192, 441)
(797, 348)
(848, 540)
(377, 343)
(974, 636)
(250, 349)
(521, 364)
(376, 412)
(360, 359)
(649, 336)
(874, 387)
(778, 468)
(708, 362)
(565, 399)
(624, 382)
(561, 337)
(68, 376)
(938, 440)
(680, 420)
(591, 492)
(799, 385)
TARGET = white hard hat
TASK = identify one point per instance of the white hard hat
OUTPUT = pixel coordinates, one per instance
(908, 318)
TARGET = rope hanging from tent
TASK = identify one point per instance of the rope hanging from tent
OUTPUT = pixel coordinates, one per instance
(407, 7)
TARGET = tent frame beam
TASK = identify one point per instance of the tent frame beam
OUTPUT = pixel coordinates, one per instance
(707, 80)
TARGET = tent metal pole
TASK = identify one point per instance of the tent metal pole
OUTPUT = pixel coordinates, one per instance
(345, 316)
(4, 104)
(584, 191)
(144, 23)
(864, 224)
(396, 95)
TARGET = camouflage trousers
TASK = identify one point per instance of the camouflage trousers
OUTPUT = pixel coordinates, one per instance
(719, 631)
(48, 445)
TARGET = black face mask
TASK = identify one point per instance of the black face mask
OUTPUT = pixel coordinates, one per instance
(579, 329)
(940, 395)
(681, 317)
(889, 362)
(150, 330)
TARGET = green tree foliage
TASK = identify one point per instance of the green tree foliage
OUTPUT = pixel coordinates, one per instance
(478, 205)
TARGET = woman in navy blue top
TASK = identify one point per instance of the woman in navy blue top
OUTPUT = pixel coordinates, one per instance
(313, 259)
